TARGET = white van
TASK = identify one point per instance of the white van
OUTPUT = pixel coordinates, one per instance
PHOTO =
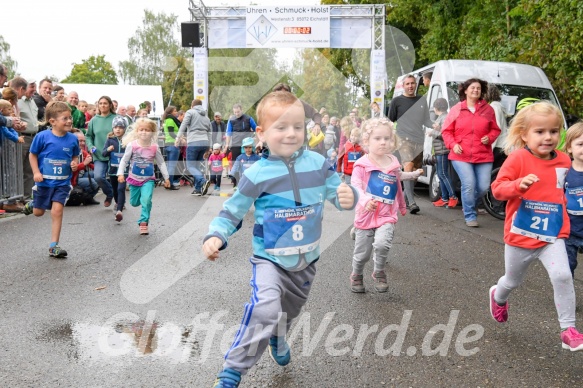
(514, 80)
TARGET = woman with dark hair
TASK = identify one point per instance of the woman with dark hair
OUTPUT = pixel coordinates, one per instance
(171, 126)
(468, 131)
(97, 130)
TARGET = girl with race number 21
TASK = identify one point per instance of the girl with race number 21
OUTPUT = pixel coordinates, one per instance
(532, 180)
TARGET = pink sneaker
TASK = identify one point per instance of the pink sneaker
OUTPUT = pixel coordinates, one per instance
(499, 313)
(572, 339)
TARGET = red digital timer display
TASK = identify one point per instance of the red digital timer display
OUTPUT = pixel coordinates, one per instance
(297, 30)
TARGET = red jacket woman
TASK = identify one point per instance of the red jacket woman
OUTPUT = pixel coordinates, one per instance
(467, 129)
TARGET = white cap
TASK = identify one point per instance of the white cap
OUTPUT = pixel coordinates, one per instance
(216, 146)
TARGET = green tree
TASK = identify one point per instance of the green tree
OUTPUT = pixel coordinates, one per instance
(94, 70)
(241, 76)
(6, 59)
(150, 50)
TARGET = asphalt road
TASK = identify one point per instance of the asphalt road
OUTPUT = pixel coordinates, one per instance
(135, 311)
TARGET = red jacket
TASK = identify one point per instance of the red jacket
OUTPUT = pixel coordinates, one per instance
(465, 128)
(80, 166)
(346, 162)
(549, 188)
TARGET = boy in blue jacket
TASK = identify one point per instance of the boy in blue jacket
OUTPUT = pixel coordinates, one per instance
(288, 187)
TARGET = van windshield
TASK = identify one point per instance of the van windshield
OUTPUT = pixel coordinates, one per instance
(512, 95)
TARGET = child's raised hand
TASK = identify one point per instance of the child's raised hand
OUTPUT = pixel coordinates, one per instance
(38, 177)
(345, 196)
(210, 248)
(527, 181)
(371, 205)
(21, 139)
(120, 179)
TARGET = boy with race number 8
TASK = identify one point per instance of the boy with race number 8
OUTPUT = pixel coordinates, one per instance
(377, 178)
(288, 187)
(532, 180)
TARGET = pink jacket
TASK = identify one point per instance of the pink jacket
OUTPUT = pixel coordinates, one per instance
(465, 128)
(384, 213)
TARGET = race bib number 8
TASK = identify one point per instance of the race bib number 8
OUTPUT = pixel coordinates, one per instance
(383, 187)
(292, 231)
(575, 200)
(143, 170)
(56, 169)
(538, 220)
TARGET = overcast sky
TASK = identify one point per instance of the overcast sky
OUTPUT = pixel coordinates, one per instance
(47, 37)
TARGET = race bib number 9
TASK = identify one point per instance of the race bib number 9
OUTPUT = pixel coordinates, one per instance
(538, 220)
(575, 200)
(143, 170)
(383, 187)
(57, 169)
(293, 230)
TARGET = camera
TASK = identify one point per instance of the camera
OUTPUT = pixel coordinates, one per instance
(429, 160)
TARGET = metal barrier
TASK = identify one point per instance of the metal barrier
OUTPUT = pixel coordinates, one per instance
(11, 178)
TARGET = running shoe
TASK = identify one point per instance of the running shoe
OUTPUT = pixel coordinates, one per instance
(196, 192)
(413, 208)
(205, 187)
(279, 350)
(380, 281)
(57, 252)
(572, 339)
(440, 203)
(452, 203)
(356, 284)
(27, 210)
(228, 378)
(118, 216)
(107, 202)
(499, 313)
(144, 228)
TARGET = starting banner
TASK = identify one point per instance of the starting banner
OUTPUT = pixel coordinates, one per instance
(288, 26)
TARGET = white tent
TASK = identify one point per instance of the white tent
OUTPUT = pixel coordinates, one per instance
(124, 94)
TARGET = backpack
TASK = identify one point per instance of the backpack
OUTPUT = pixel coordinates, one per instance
(329, 138)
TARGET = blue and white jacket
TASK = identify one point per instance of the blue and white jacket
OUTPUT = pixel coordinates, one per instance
(289, 198)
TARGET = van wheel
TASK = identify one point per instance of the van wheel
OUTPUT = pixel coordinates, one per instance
(493, 206)
(434, 189)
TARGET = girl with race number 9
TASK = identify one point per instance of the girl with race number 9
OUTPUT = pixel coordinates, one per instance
(377, 178)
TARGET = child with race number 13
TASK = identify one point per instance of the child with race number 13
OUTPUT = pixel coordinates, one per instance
(377, 178)
(532, 180)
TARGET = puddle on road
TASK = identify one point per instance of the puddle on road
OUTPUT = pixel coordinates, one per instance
(125, 340)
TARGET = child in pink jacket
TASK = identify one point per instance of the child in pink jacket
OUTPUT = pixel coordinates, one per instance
(377, 178)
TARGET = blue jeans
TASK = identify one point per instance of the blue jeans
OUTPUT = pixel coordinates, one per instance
(101, 172)
(572, 244)
(475, 178)
(447, 190)
(194, 157)
(90, 189)
(172, 154)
